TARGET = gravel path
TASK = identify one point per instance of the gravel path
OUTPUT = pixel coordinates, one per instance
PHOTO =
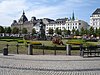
(48, 65)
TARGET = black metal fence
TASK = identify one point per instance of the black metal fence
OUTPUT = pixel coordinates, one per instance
(39, 49)
(14, 49)
(90, 51)
(51, 50)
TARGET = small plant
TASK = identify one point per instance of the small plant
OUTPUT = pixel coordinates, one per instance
(8, 40)
(28, 42)
(35, 43)
(89, 44)
(20, 41)
(57, 40)
(75, 42)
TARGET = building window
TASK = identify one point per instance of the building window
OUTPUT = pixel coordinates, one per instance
(76, 27)
(79, 23)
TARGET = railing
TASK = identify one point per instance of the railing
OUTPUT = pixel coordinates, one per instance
(30, 49)
(34, 50)
(90, 51)
(14, 49)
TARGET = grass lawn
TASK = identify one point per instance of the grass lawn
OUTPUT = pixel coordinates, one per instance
(49, 43)
(23, 49)
(12, 47)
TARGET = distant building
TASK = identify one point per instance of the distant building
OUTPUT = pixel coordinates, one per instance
(24, 23)
(29, 25)
(76, 24)
(68, 24)
(61, 23)
(58, 23)
(44, 20)
(95, 19)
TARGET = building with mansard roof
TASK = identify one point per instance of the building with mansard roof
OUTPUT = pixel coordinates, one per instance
(61, 23)
(29, 25)
(66, 23)
(95, 19)
(24, 23)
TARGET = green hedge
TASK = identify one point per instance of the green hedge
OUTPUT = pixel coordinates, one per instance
(53, 48)
(35, 43)
(20, 41)
(48, 47)
(8, 40)
(11, 37)
(75, 42)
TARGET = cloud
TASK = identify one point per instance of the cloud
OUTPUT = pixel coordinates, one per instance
(12, 9)
(44, 12)
(9, 9)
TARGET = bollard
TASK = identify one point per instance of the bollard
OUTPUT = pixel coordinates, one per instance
(55, 50)
(30, 51)
(68, 49)
(17, 48)
(43, 50)
(81, 50)
(5, 51)
(7, 46)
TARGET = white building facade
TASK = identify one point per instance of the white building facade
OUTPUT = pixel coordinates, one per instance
(75, 24)
(62, 23)
(67, 24)
(95, 19)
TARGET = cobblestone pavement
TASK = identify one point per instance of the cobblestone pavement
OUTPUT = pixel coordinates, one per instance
(48, 65)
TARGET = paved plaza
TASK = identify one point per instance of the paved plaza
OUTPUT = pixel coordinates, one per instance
(48, 65)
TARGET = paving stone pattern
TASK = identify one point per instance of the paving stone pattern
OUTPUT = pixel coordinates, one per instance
(48, 65)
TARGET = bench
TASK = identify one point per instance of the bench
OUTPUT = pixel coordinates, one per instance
(90, 51)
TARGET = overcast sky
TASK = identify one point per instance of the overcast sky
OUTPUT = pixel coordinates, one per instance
(12, 9)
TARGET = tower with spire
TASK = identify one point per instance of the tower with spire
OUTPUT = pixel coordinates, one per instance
(23, 18)
(73, 17)
(24, 23)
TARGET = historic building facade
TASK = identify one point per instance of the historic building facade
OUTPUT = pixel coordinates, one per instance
(76, 24)
(62, 23)
(24, 23)
(68, 24)
(95, 19)
(29, 25)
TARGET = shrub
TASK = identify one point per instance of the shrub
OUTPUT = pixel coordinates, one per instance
(75, 42)
(91, 40)
(8, 40)
(57, 40)
(89, 44)
(20, 41)
(35, 43)
(49, 47)
(7, 37)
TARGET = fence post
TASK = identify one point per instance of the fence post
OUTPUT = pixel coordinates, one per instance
(17, 48)
(68, 49)
(7, 46)
(55, 50)
(43, 49)
(81, 50)
(30, 49)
